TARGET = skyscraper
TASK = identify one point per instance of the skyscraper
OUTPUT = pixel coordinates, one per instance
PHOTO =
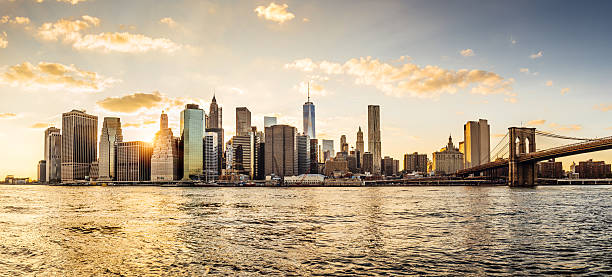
(111, 134)
(477, 143)
(165, 157)
(211, 163)
(53, 155)
(281, 157)
(303, 150)
(314, 156)
(367, 162)
(327, 146)
(243, 121)
(192, 131)
(359, 145)
(309, 117)
(344, 147)
(42, 171)
(269, 121)
(374, 137)
(79, 144)
(215, 115)
(243, 148)
(134, 161)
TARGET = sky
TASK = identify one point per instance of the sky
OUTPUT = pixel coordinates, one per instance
(430, 65)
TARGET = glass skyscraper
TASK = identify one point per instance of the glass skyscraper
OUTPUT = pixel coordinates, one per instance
(309, 117)
(192, 131)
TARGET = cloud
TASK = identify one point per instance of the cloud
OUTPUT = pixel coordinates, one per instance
(467, 52)
(139, 124)
(536, 122)
(524, 70)
(135, 102)
(511, 100)
(306, 19)
(571, 127)
(18, 20)
(54, 76)
(565, 90)
(72, 32)
(408, 78)
(549, 83)
(73, 2)
(603, 107)
(7, 115)
(536, 55)
(39, 125)
(3, 41)
(169, 21)
(316, 89)
(274, 12)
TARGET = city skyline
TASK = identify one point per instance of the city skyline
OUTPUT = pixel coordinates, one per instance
(544, 73)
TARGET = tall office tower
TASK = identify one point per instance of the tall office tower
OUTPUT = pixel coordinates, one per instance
(53, 155)
(359, 146)
(258, 139)
(314, 156)
(165, 158)
(415, 162)
(281, 151)
(344, 147)
(351, 160)
(244, 153)
(269, 121)
(215, 115)
(94, 171)
(79, 144)
(42, 171)
(134, 161)
(374, 137)
(243, 121)
(211, 162)
(476, 143)
(192, 131)
(309, 117)
(327, 147)
(303, 150)
(220, 142)
(368, 162)
(111, 134)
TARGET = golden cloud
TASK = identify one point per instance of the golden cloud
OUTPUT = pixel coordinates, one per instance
(410, 79)
(565, 90)
(571, 127)
(135, 102)
(72, 32)
(7, 115)
(139, 124)
(54, 76)
(549, 83)
(536, 122)
(18, 20)
(536, 55)
(3, 41)
(73, 2)
(274, 12)
(39, 125)
(467, 52)
(169, 21)
(603, 107)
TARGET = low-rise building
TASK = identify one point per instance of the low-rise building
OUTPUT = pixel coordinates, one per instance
(448, 160)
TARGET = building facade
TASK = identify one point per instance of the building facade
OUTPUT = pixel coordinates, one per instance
(211, 152)
(41, 171)
(215, 115)
(327, 146)
(165, 157)
(79, 144)
(476, 143)
(448, 160)
(359, 145)
(415, 162)
(309, 118)
(269, 121)
(243, 121)
(368, 162)
(550, 169)
(303, 149)
(134, 161)
(374, 143)
(314, 157)
(111, 134)
(244, 159)
(53, 155)
(281, 157)
(192, 131)
(593, 169)
(336, 168)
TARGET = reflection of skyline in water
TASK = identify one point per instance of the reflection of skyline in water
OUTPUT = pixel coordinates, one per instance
(304, 231)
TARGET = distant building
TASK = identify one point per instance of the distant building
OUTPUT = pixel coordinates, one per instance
(243, 121)
(327, 146)
(192, 131)
(211, 161)
(244, 154)
(368, 162)
(303, 150)
(336, 168)
(389, 167)
(550, 169)
(215, 116)
(220, 143)
(269, 121)
(281, 151)
(134, 161)
(309, 117)
(448, 160)
(94, 171)
(374, 143)
(314, 157)
(53, 155)
(477, 143)
(42, 171)
(352, 162)
(305, 179)
(165, 158)
(261, 161)
(359, 145)
(79, 144)
(111, 134)
(415, 162)
(593, 169)
(344, 147)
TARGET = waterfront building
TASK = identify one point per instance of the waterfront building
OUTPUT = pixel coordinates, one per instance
(281, 157)
(192, 131)
(305, 179)
(211, 151)
(415, 162)
(593, 169)
(477, 143)
(215, 115)
(309, 117)
(269, 121)
(110, 135)
(351, 161)
(220, 142)
(374, 143)
(368, 162)
(134, 161)
(243, 156)
(53, 155)
(314, 156)
(388, 166)
(359, 146)
(42, 171)
(79, 144)
(550, 169)
(243, 121)
(94, 171)
(303, 150)
(448, 160)
(261, 161)
(336, 168)
(327, 146)
(165, 158)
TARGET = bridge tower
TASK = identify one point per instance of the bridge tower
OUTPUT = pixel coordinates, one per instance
(522, 141)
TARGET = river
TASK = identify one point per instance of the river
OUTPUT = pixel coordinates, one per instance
(331, 231)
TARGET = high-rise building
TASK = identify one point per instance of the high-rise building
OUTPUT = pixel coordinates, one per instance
(111, 134)
(42, 171)
(269, 121)
(192, 131)
(327, 146)
(477, 143)
(94, 171)
(309, 117)
(165, 157)
(215, 115)
(134, 161)
(243, 121)
(344, 147)
(368, 162)
(53, 155)
(374, 144)
(79, 144)
(415, 162)
(211, 162)
(448, 160)
(359, 146)
(220, 142)
(243, 148)
(314, 156)
(281, 151)
(303, 150)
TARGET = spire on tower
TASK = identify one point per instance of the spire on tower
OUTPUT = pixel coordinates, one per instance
(308, 91)
(214, 94)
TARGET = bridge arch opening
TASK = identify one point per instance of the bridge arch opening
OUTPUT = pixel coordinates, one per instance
(527, 143)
